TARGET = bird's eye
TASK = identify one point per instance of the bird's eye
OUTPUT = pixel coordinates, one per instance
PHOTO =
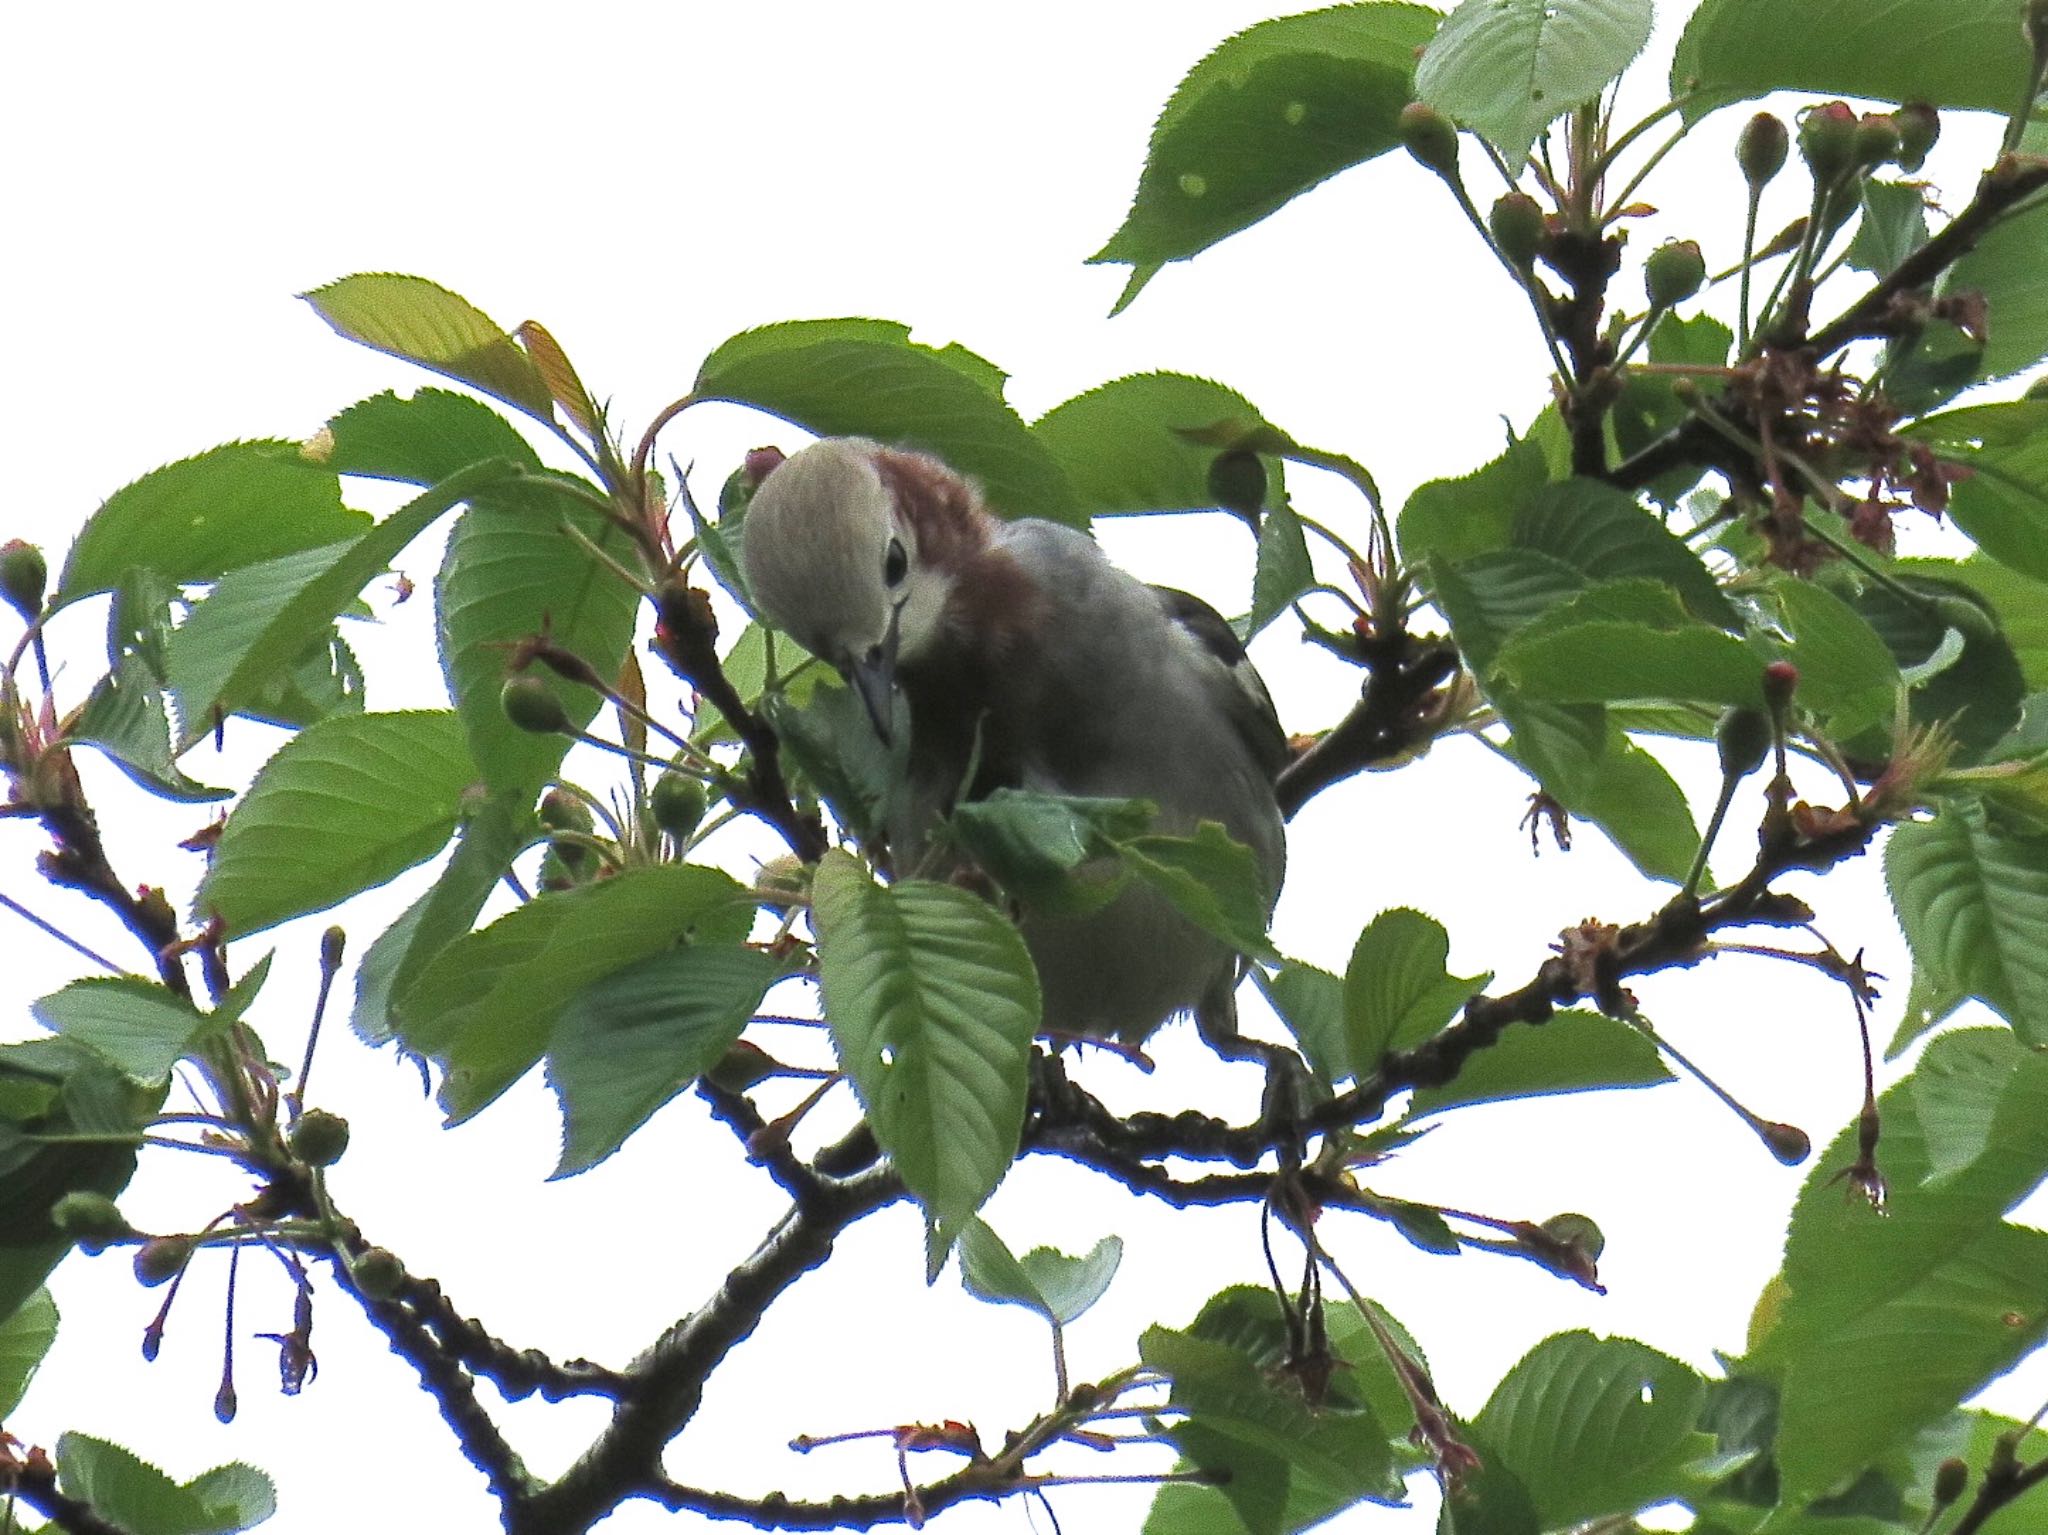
(895, 564)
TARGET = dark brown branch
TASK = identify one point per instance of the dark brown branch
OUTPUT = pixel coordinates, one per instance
(516, 1372)
(1996, 1491)
(687, 640)
(79, 861)
(668, 1379)
(2012, 178)
(1402, 674)
(35, 1483)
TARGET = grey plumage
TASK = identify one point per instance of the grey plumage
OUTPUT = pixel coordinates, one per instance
(1023, 652)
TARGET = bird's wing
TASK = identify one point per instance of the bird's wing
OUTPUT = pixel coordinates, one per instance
(1232, 680)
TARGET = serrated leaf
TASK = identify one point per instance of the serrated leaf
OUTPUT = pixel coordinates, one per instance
(1846, 674)
(194, 520)
(1958, 1085)
(93, 1115)
(1397, 991)
(1604, 535)
(1974, 905)
(344, 806)
(1649, 405)
(1070, 1285)
(1735, 49)
(1508, 68)
(1450, 521)
(1887, 1322)
(630, 1041)
(2003, 502)
(1291, 1463)
(25, 1337)
(933, 1001)
(1211, 880)
(127, 717)
(1267, 115)
(1122, 448)
(1894, 226)
(1605, 662)
(259, 619)
(486, 1005)
(1283, 571)
(1311, 1003)
(2019, 602)
(136, 1497)
(513, 571)
(1054, 852)
(1573, 1052)
(492, 835)
(1487, 598)
(139, 1027)
(1593, 1427)
(423, 322)
(832, 742)
(1962, 673)
(867, 378)
(991, 1272)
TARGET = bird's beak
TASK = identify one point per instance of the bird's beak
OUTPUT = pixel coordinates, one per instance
(874, 678)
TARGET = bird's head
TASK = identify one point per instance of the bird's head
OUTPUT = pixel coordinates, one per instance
(835, 559)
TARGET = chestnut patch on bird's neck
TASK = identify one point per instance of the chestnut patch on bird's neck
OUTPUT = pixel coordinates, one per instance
(942, 509)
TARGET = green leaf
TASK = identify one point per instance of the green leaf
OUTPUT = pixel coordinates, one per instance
(933, 1002)
(323, 681)
(1958, 1086)
(1508, 68)
(512, 571)
(493, 834)
(1450, 521)
(1974, 906)
(130, 1493)
(1267, 115)
(196, 519)
(25, 1337)
(1291, 1463)
(1396, 990)
(630, 1041)
(139, 1027)
(127, 717)
(1283, 572)
(1846, 674)
(1894, 226)
(1609, 662)
(1057, 853)
(259, 619)
(1964, 675)
(1574, 1052)
(423, 322)
(2005, 266)
(1593, 1427)
(1583, 760)
(421, 440)
(486, 1005)
(2019, 602)
(1952, 53)
(2003, 502)
(344, 806)
(1604, 535)
(1490, 596)
(1648, 405)
(1211, 880)
(92, 1117)
(868, 378)
(1122, 449)
(1887, 1322)
(833, 744)
(1056, 1286)
(1311, 1003)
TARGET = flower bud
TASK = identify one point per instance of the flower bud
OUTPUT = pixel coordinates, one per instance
(1788, 1143)
(677, 802)
(531, 704)
(319, 1138)
(1743, 738)
(1673, 273)
(90, 1219)
(759, 463)
(1237, 483)
(161, 1258)
(1760, 151)
(1827, 141)
(1877, 140)
(563, 811)
(376, 1272)
(1781, 680)
(1431, 138)
(1516, 222)
(1919, 128)
(333, 943)
(1950, 1478)
(24, 574)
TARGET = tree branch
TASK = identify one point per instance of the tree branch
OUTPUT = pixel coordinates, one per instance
(34, 1482)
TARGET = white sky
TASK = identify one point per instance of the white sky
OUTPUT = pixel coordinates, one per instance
(647, 180)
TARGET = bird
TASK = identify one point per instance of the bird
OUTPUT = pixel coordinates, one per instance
(1029, 660)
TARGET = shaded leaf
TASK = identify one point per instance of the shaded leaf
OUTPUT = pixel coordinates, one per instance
(1397, 991)
(139, 1027)
(128, 718)
(1604, 535)
(1122, 449)
(136, 1497)
(1311, 1003)
(1974, 906)
(25, 1337)
(1450, 521)
(1574, 1052)
(1609, 662)
(1211, 880)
